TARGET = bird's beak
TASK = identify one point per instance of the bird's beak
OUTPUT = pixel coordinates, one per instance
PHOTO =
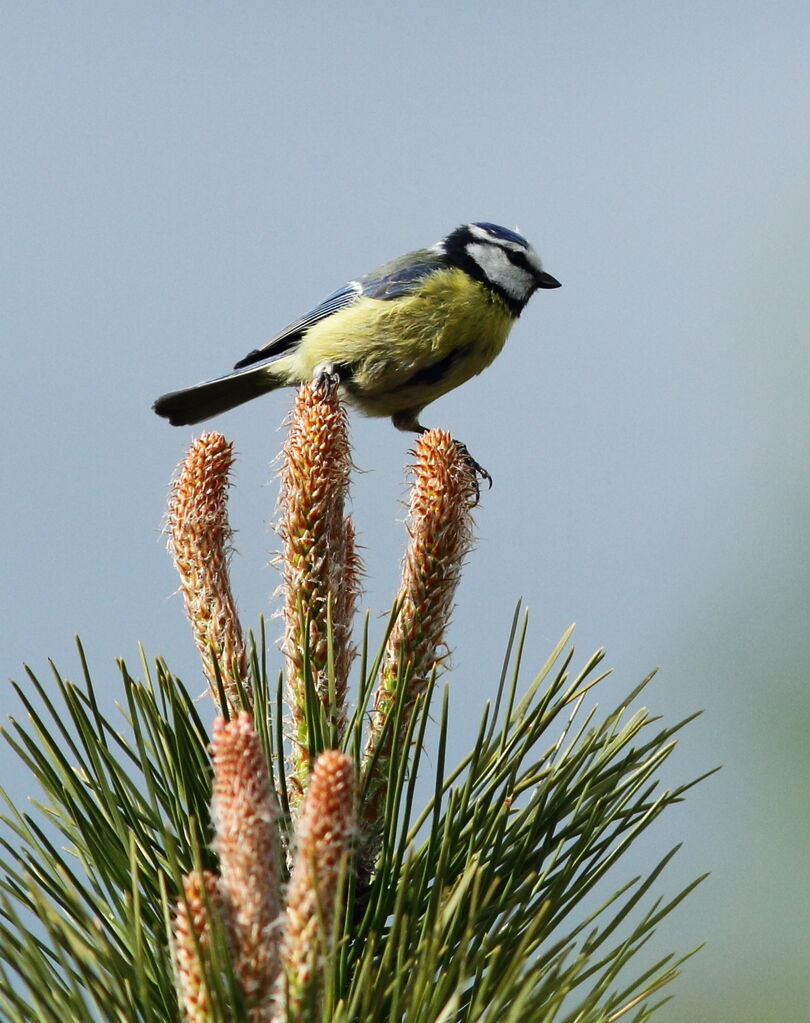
(545, 280)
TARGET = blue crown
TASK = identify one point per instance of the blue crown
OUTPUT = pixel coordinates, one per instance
(504, 233)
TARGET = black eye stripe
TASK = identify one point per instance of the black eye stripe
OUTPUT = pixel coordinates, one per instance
(518, 259)
(516, 256)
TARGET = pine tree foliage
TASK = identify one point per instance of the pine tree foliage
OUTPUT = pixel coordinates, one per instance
(503, 898)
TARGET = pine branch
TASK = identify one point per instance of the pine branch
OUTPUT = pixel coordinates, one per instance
(158, 878)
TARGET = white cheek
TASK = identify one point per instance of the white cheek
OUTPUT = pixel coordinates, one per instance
(502, 271)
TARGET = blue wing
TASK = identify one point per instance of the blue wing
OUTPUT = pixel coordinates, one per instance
(400, 277)
(293, 332)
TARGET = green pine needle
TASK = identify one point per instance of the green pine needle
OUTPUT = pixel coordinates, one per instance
(488, 903)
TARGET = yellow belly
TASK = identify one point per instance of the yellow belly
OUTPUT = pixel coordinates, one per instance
(403, 353)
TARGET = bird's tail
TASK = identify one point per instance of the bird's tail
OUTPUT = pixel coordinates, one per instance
(194, 404)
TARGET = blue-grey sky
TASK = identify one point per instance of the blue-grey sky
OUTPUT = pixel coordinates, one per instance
(180, 180)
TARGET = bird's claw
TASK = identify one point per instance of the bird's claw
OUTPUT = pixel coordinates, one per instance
(326, 378)
(476, 470)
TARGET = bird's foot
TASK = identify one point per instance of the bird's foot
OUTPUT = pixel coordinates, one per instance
(477, 471)
(326, 377)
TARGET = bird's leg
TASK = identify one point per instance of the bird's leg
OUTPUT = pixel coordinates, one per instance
(409, 422)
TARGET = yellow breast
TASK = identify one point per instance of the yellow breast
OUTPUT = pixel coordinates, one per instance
(405, 352)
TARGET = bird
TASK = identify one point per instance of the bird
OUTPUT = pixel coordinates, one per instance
(395, 339)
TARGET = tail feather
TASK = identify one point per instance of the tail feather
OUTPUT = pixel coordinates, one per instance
(194, 404)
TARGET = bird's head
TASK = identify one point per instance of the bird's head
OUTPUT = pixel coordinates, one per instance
(500, 259)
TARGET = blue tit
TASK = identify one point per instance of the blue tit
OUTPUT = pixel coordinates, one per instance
(395, 339)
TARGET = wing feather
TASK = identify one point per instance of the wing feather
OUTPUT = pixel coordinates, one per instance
(392, 280)
(293, 332)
